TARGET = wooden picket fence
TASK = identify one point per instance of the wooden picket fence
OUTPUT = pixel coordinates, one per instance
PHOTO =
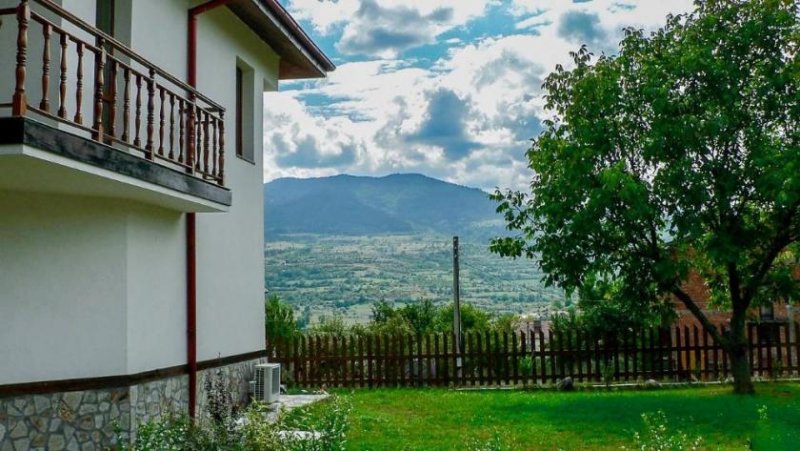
(506, 359)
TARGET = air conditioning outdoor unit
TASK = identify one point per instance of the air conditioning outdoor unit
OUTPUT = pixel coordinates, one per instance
(268, 383)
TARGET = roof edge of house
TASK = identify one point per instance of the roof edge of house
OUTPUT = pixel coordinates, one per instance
(299, 34)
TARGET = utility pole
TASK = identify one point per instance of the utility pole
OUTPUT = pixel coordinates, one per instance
(456, 307)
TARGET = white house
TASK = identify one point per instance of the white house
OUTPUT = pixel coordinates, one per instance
(131, 235)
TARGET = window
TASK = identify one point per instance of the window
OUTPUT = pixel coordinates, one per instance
(245, 113)
(767, 312)
(104, 19)
(239, 112)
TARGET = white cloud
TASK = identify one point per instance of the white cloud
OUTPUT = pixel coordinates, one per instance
(465, 118)
(385, 28)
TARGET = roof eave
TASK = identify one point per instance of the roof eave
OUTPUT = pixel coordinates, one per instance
(300, 57)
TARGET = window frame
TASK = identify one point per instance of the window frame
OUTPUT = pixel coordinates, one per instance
(244, 114)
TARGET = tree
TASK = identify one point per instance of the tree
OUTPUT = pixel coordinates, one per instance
(421, 316)
(472, 319)
(680, 153)
(280, 323)
(605, 309)
(330, 324)
(382, 311)
(418, 317)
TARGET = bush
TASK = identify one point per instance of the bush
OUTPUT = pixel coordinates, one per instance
(325, 432)
(294, 431)
(174, 433)
(280, 323)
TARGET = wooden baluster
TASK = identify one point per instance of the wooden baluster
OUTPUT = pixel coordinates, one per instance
(190, 138)
(161, 122)
(62, 88)
(126, 105)
(198, 137)
(151, 111)
(199, 150)
(99, 63)
(198, 156)
(214, 145)
(221, 153)
(112, 106)
(44, 105)
(206, 142)
(182, 118)
(137, 141)
(79, 87)
(19, 102)
(171, 127)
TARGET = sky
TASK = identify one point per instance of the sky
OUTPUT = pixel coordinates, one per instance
(447, 88)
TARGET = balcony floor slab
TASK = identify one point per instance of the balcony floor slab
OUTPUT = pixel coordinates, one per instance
(41, 158)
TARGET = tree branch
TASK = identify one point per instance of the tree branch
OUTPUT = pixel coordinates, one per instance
(698, 313)
(782, 239)
(735, 285)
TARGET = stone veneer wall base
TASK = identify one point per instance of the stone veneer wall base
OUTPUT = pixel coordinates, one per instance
(95, 419)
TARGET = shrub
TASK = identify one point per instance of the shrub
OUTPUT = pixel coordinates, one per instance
(174, 433)
(294, 431)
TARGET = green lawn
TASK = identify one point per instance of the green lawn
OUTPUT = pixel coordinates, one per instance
(438, 419)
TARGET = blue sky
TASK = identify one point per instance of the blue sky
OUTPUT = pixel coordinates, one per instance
(447, 88)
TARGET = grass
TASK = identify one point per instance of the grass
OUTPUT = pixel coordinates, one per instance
(439, 419)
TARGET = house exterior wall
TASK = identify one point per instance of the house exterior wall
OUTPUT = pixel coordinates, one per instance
(138, 280)
(97, 286)
(696, 287)
(156, 291)
(91, 287)
(63, 272)
(230, 262)
(230, 247)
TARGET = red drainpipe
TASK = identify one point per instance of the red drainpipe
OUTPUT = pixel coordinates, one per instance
(191, 237)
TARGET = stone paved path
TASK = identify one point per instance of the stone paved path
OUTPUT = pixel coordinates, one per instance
(290, 402)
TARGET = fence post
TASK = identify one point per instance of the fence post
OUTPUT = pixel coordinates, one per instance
(554, 376)
(514, 357)
(541, 355)
(791, 337)
(371, 374)
(797, 344)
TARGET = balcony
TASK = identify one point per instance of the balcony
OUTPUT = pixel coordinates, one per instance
(95, 106)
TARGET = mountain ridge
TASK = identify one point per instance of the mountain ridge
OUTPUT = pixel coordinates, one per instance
(362, 205)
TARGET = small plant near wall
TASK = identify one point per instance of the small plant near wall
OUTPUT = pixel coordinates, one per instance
(219, 401)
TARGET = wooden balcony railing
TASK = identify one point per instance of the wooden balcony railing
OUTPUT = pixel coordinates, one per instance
(132, 103)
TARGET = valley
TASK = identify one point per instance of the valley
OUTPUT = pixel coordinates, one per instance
(335, 245)
(344, 275)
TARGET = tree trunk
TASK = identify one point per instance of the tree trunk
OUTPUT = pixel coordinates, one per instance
(740, 368)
